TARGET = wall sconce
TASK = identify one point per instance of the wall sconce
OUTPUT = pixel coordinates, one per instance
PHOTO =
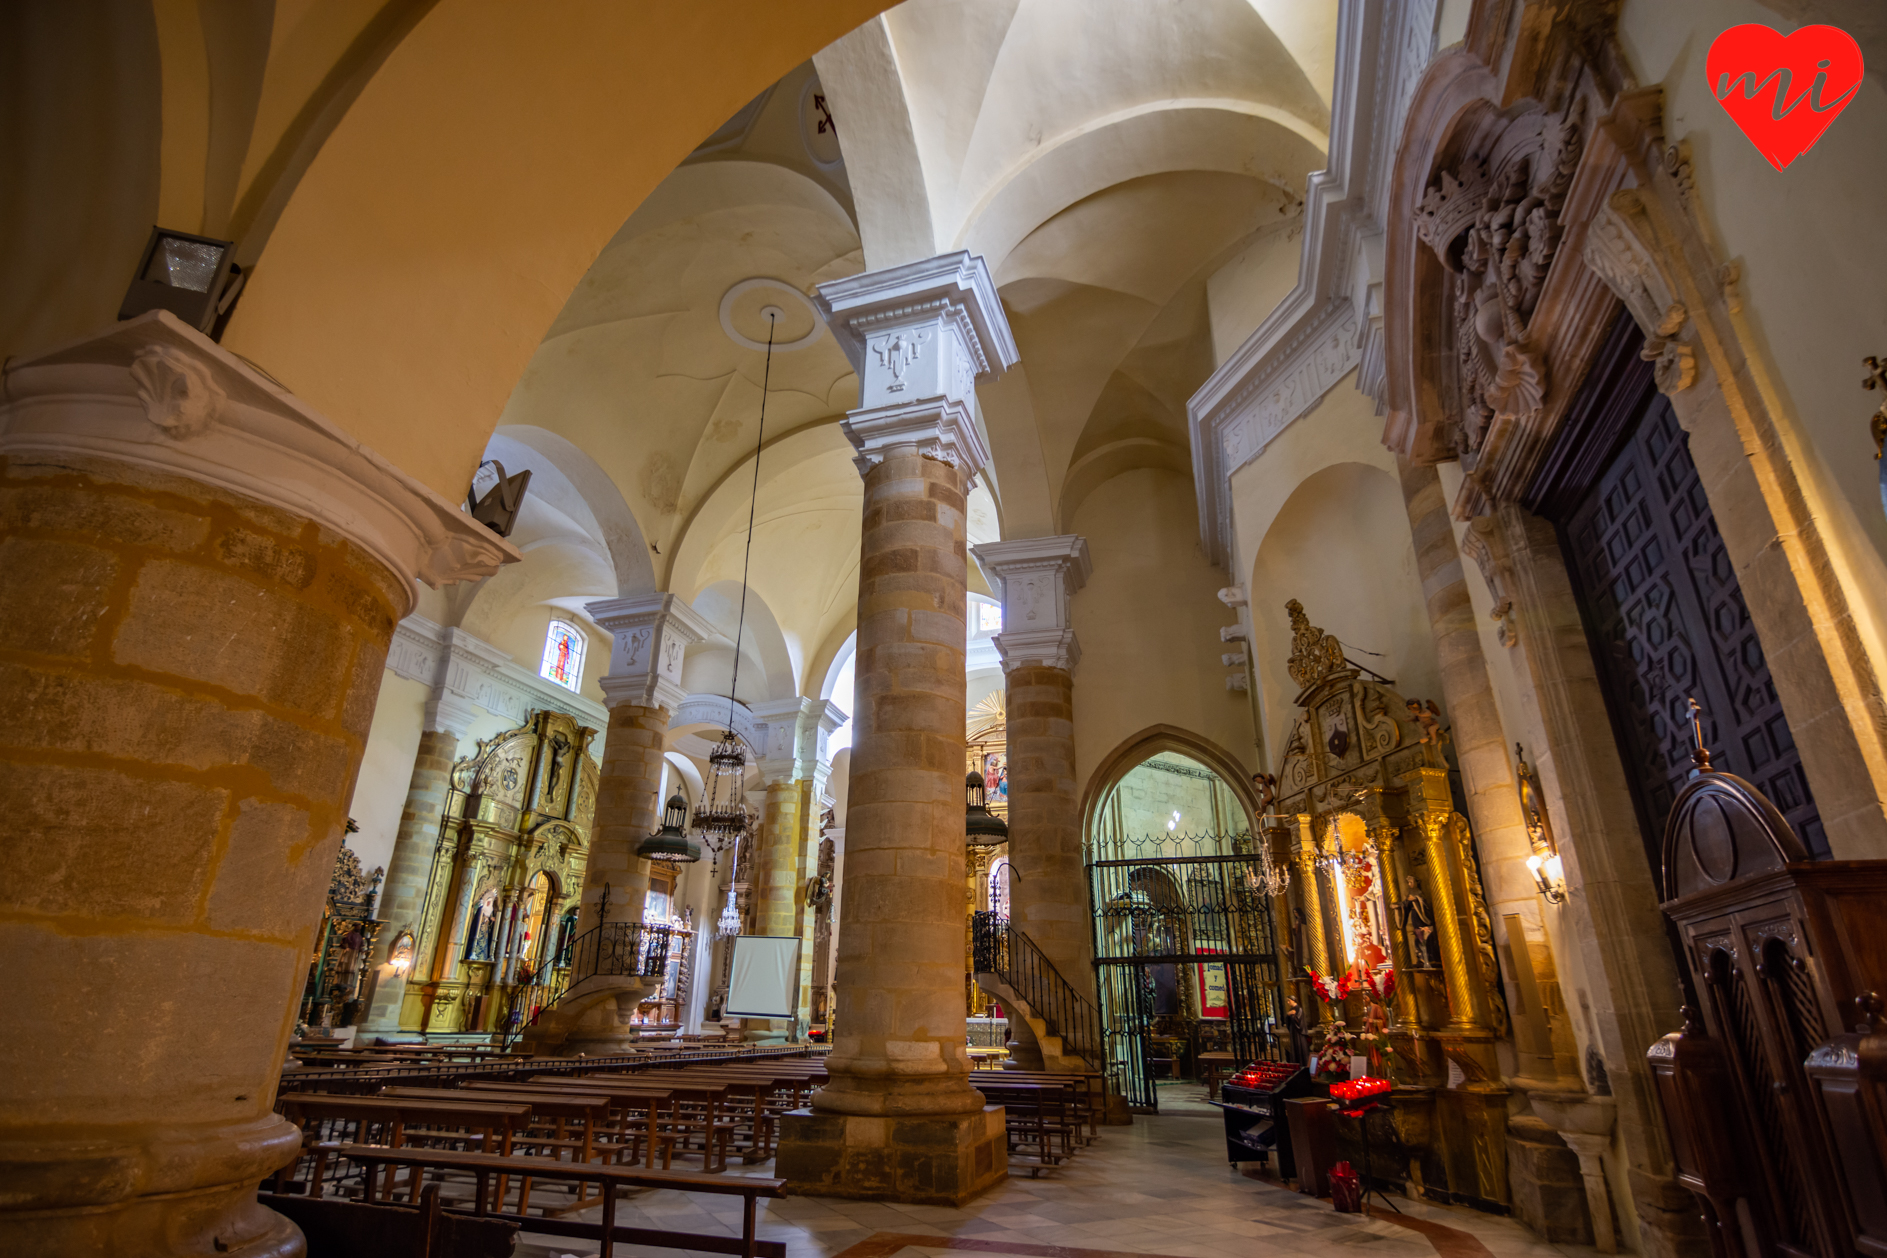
(400, 956)
(194, 277)
(1549, 874)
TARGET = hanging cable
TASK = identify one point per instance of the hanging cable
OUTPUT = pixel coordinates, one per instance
(746, 561)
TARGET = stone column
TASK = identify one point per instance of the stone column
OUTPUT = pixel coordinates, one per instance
(899, 1119)
(1314, 949)
(403, 897)
(199, 577)
(642, 687)
(794, 770)
(1039, 651)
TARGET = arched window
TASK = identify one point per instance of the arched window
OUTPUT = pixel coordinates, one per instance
(563, 655)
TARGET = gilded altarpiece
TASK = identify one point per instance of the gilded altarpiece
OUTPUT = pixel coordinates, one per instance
(1385, 873)
(507, 874)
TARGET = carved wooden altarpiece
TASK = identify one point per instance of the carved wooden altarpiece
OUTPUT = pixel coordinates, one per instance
(506, 878)
(1364, 799)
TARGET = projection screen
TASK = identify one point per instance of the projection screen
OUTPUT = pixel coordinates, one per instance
(764, 982)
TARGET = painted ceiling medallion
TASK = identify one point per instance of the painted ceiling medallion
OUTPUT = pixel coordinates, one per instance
(792, 295)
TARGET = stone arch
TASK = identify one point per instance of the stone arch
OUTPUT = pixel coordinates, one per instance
(1150, 742)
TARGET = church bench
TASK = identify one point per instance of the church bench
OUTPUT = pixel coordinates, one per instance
(485, 1168)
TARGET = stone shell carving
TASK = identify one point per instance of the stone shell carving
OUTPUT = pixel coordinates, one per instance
(178, 394)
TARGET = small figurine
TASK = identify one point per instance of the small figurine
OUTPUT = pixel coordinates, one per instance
(1266, 786)
(1294, 1027)
(1418, 926)
(1429, 720)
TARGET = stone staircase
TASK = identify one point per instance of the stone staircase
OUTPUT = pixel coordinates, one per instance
(1054, 1026)
(1036, 1043)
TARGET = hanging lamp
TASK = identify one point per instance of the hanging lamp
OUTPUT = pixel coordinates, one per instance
(722, 818)
(670, 845)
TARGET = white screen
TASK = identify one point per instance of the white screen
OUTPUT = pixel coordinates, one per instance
(765, 978)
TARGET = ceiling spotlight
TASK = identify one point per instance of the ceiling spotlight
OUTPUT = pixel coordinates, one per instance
(194, 277)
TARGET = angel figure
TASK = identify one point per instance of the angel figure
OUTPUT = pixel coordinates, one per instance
(1266, 786)
(1429, 720)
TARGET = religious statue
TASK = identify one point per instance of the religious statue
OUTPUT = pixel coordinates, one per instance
(1430, 721)
(559, 753)
(1294, 1027)
(1418, 927)
(1265, 785)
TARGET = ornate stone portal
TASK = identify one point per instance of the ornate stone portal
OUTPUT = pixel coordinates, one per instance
(501, 900)
(1386, 873)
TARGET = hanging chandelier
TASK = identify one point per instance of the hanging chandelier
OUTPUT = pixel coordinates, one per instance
(722, 818)
(729, 925)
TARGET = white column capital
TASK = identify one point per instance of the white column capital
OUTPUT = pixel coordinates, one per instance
(155, 394)
(1037, 577)
(796, 734)
(651, 632)
(920, 336)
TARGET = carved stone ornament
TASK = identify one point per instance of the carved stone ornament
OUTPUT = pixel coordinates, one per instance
(1495, 223)
(1475, 546)
(178, 394)
(1674, 363)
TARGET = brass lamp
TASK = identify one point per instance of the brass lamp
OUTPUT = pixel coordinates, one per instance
(981, 827)
(1549, 874)
(671, 845)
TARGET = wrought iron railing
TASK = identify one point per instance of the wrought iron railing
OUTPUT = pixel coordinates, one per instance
(607, 950)
(1006, 952)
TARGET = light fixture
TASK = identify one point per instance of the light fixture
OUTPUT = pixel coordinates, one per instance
(400, 956)
(670, 845)
(723, 818)
(1544, 864)
(729, 924)
(981, 827)
(194, 277)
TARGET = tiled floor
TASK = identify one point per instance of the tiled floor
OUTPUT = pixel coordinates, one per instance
(1160, 1186)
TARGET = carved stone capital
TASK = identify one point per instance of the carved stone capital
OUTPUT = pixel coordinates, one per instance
(155, 394)
(1037, 577)
(920, 336)
(651, 633)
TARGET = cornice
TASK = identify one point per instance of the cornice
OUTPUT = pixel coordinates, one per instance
(153, 393)
(465, 670)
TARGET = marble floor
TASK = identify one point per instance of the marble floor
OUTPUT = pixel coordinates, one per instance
(1160, 1186)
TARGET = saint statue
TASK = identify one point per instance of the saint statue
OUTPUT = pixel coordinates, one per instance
(1418, 927)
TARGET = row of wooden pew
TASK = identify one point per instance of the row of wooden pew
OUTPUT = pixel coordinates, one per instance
(560, 1143)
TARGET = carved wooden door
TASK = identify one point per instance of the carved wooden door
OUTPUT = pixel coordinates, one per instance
(1668, 623)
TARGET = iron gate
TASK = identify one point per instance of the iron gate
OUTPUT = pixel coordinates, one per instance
(1183, 930)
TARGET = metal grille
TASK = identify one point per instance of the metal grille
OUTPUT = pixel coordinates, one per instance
(1183, 931)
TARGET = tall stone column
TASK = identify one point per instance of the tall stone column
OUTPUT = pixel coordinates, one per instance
(899, 1118)
(642, 687)
(403, 896)
(794, 770)
(1039, 651)
(199, 577)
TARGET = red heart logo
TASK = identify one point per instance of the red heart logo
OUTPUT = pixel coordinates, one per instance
(1784, 90)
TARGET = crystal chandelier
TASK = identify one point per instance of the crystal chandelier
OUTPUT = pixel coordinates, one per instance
(729, 925)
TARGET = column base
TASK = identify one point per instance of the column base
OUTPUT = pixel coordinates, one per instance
(163, 1192)
(933, 1160)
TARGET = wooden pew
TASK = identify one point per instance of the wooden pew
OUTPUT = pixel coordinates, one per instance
(484, 1168)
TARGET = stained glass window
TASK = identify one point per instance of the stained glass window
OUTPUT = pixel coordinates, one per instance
(989, 617)
(563, 655)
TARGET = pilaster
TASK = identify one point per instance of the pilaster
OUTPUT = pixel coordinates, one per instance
(651, 633)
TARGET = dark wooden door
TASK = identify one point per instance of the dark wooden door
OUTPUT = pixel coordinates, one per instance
(1668, 623)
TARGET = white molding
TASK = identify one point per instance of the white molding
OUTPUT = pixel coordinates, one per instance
(715, 710)
(156, 394)
(1327, 324)
(920, 336)
(651, 634)
(465, 671)
(1037, 576)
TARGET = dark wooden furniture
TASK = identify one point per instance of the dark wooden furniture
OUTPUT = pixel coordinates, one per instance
(1779, 948)
(486, 1170)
